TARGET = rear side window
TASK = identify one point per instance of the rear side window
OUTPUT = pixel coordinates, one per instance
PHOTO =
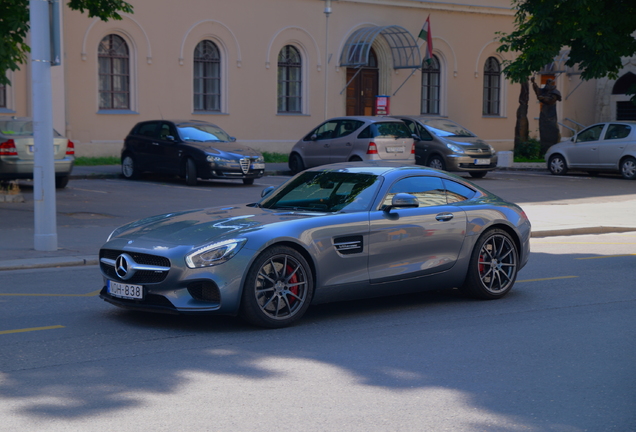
(148, 130)
(456, 192)
(348, 126)
(618, 131)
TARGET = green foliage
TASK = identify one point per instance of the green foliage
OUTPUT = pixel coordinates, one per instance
(598, 34)
(14, 25)
(528, 151)
(275, 157)
(93, 161)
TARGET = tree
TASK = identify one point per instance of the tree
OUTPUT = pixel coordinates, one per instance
(14, 22)
(598, 34)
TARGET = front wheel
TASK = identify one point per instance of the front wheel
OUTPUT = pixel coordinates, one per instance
(493, 266)
(437, 162)
(628, 168)
(557, 165)
(191, 173)
(129, 167)
(296, 164)
(278, 288)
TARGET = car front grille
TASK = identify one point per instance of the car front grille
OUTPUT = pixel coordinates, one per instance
(140, 276)
(245, 165)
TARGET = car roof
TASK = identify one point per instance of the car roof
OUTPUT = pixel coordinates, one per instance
(377, 168)
(180, 122)
(370, 119)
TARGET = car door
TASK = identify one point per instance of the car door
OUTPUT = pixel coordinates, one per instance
(166, 149)
(341, 146)
(616, 140)
(140, 144)
(410, 242)
(585, 151)
(317, 144)
(423, 143)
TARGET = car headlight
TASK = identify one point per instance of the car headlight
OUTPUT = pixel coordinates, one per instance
(217, 159)
(214, 254)
(492, 149)
(454, 148)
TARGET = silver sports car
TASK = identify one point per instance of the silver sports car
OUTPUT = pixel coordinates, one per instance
(341, 231)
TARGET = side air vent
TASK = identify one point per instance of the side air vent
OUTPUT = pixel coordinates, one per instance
(349, 245)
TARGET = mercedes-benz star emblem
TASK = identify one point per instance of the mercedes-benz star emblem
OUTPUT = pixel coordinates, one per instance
(124, 267)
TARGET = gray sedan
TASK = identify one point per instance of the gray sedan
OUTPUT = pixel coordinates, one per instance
(446, 145)
(609, 147)
(344, 231)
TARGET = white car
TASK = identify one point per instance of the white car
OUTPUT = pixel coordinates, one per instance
(609, 147)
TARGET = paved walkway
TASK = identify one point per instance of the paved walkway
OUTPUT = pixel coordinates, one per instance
(570, 217)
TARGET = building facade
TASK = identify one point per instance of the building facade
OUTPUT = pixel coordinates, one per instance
(268, 71)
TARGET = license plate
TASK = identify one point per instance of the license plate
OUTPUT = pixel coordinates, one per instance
(395, 149)
(256, 166)
(127, 291)
(482, 161)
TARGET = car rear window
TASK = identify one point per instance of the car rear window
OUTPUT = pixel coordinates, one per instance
(19, 127)
(386, 130)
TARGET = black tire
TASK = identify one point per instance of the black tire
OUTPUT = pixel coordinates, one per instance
(557, 165)
(436, 162)
(248, 181)
(355, 159)
(628, 168)
(129, 167)
(296, 163)
(493, 266)
(478, 174)
(190, 173)
(61, 182)
(278, 288)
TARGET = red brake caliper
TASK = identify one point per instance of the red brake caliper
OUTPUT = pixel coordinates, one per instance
(293, 280)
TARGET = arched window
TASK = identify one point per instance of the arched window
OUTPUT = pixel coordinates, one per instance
(207, 77)
(492, 86)
(430, 86)
(289, 80)
(114, 73)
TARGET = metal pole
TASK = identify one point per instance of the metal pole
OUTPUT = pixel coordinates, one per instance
(45, 238)
(327, 13)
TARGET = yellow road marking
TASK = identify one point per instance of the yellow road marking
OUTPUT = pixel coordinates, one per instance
(546, 279)
(31, 329)
(90, 294)
(607, 256)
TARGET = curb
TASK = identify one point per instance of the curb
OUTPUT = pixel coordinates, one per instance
(580, 231)
(34, 263)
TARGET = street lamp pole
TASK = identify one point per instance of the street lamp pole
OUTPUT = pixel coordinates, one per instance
(327, 13)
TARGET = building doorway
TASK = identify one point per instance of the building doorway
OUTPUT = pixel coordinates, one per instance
(363, 87)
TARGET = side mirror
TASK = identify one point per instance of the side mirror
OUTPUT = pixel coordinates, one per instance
(314, 137)
(402, 200)
(268, 190)
(415, 137)
(169, 138)
(232, 139)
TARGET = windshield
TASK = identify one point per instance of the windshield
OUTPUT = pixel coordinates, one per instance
(19, 127)
(325, 191)
(447, 128)
(202, 133)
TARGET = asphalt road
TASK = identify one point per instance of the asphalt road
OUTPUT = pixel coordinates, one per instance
(554, 355)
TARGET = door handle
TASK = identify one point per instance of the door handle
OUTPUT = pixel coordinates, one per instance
(154, 143)
(444, 217)
(348, 143)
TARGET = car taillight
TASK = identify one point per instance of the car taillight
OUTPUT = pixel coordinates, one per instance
(373, 149)
(413, 149)
(70, 148)
(7, 148)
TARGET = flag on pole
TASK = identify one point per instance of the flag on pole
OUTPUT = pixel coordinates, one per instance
(426, 35)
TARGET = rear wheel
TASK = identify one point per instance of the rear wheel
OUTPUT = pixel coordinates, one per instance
(628, 168)
(437, 162)
(129, 167)
(278, 288)
(61, 181)
(493, 266)
(478, 174)
(557, 165)
(296, 164)
(191, 173)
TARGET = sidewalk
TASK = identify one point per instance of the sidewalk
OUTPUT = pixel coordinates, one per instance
(568, 217)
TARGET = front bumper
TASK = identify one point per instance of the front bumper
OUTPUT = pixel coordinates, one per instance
(468, 163)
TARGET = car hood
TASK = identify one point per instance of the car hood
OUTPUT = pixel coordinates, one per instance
(218, 147)
(467, 142)
(199, 227)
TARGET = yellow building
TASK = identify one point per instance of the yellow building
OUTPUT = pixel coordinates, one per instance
(267, 71)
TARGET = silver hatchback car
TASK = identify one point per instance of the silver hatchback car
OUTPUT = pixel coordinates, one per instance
(601, 147)
(350, 139)
(17, 152)
(446, 145)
